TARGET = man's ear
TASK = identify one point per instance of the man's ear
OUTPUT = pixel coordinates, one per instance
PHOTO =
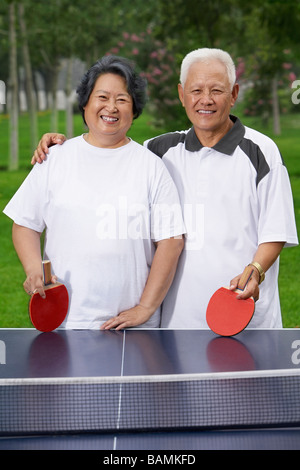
(234, 93)
(180, 93)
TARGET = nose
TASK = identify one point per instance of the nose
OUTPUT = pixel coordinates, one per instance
(206, 97)
(111, 105)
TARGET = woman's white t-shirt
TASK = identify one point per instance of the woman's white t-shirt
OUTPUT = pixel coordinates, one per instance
(102, 210)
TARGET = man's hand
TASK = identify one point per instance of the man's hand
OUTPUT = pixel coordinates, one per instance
(46, 141)
(251, 289)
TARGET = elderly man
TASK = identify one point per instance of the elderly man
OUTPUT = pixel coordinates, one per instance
(235, 195)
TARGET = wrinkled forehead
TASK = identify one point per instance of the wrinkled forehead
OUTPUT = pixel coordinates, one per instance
(208, 72)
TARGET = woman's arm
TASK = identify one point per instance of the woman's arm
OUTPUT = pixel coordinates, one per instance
(28, 247)
(159, 281)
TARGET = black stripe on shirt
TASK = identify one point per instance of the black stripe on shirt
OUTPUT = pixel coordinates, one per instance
(160, 145)
(256, 157)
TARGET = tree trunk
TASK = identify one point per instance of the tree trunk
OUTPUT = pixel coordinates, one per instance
(31, 98)
(14, 90)
(54, 109)
(275, 106)
(69, 100)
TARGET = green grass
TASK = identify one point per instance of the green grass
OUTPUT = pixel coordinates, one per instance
(140, 130)
(289, 274)
(13, 300)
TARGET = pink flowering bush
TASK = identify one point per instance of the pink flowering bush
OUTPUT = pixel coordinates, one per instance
(158, 65)
(258, 99)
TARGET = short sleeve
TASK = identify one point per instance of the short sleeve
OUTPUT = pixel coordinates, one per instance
(166, 211)
(277, 218)
(26, 206)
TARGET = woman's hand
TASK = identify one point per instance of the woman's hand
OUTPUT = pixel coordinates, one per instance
(34, 283)
(133, 317)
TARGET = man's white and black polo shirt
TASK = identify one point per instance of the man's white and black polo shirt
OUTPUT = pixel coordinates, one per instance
(234, 197)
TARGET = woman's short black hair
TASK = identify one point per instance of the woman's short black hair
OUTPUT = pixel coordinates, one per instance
(136, 85)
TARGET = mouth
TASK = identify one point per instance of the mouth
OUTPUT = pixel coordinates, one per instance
(206, 112)
(109, 119)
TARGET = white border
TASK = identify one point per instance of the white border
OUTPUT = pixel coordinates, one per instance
(148, 378)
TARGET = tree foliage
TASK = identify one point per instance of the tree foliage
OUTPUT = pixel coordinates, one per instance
(263, 37)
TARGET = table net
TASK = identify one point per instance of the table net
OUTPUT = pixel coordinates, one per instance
(170, 402)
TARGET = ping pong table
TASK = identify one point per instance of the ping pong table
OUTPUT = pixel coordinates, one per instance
(31, 359)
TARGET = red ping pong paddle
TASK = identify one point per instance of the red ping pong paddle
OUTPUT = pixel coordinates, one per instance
(49, 313)
(226, 315)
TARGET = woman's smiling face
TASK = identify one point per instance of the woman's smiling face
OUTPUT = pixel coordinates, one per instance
(109, 112)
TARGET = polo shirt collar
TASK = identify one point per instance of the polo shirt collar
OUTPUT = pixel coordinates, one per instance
(226, 145)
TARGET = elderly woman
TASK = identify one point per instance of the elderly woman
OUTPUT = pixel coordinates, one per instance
(109, 209)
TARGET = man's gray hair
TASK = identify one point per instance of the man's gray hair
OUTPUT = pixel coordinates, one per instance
(207, 55)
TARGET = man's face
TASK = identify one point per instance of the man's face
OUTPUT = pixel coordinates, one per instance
(207, 97)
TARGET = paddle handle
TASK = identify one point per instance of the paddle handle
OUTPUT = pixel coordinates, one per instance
(245, 277)
(46, 272)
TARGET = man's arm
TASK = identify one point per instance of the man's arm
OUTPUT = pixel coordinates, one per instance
(159, 281)
(265, 256)
(46, 141)
(28, 247)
